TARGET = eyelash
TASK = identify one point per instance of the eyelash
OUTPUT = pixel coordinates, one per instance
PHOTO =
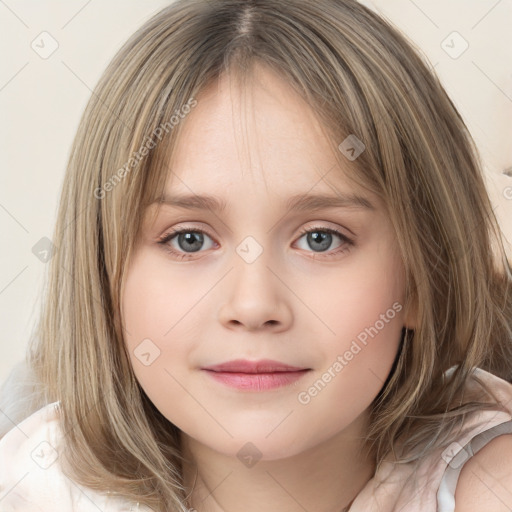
(166, 238)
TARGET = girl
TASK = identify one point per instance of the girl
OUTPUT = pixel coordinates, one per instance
(197, 351)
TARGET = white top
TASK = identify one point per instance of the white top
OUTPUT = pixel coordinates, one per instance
(31, 479)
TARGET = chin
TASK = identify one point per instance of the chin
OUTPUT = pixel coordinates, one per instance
(254, 447)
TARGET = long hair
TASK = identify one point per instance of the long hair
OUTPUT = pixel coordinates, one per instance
(363, 78)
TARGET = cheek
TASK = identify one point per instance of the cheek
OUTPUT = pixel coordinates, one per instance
(152, 314)
(364, 315)
(368, 294)
(355, 362)
(148, 303)
(158, 302)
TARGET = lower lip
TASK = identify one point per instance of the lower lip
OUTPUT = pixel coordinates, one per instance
(256, 381)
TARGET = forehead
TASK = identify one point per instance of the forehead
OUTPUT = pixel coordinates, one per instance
(260, 138)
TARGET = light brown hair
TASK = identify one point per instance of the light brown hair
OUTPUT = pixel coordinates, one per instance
(361, 76)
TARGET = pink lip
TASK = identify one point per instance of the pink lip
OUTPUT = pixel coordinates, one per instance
(255, 375)
(246, 366)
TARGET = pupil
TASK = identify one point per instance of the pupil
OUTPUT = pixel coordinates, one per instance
(191, 238)
(324, 238)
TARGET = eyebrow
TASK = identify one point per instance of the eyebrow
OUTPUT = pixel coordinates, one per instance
(300, 202)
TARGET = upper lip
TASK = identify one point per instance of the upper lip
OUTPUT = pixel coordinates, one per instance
(245, 366)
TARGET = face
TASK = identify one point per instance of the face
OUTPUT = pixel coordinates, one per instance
(318, 289)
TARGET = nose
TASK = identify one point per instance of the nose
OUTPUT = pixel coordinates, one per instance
(255, 297)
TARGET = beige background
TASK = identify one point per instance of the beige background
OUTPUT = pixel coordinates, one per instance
(41, 100)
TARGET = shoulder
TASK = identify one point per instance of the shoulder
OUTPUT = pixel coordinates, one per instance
(26, 435)
(485, 481)
(31, 476)
(28, 455)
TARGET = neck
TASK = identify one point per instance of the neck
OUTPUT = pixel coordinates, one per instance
(325, 478)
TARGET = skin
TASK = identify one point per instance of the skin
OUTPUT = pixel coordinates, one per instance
(294, 304)
(485, 481)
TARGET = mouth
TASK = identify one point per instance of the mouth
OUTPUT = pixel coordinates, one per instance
(255, 375)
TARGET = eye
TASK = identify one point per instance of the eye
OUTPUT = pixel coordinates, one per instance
(187, 239)
(191, 240)
(321, 238)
